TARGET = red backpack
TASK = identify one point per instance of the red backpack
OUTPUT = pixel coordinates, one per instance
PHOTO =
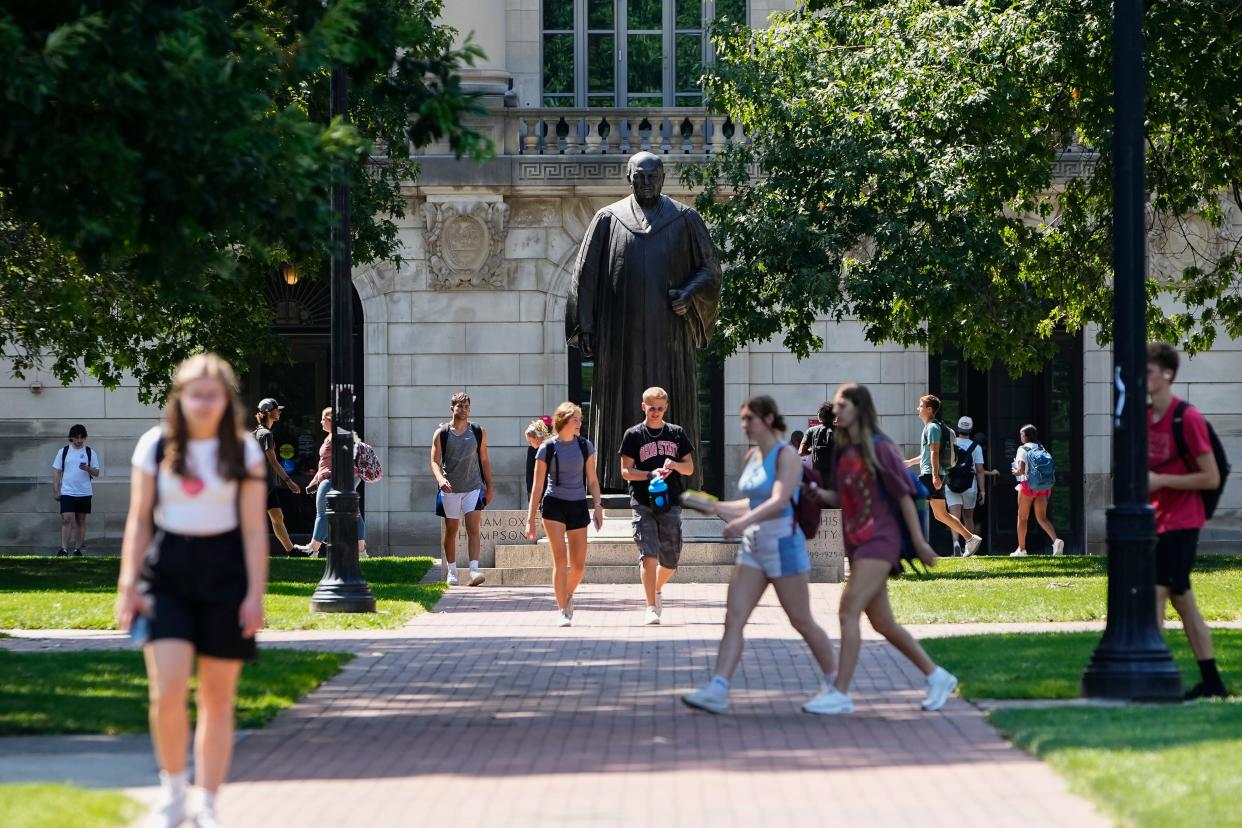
(806, 509)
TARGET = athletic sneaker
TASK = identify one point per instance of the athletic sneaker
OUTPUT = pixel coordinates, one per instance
(1201, 691)
(169, 811)
(300, 551)
(477, 578)
(831, 702)
(1058, 547)
(205, 817)
(659, 605)
(651, 617)
(362, 555)
(940, 685)
(972, 544)
(452, 578)
(563, 619)
(1018, 553)
(709, 697)
(62, 553)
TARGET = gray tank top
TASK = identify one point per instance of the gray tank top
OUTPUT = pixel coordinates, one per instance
(461, 460)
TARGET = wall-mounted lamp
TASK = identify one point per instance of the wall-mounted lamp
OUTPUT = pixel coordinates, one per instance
(36, 388)
(289, 272)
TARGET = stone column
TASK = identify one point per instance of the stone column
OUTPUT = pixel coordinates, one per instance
(484, 21)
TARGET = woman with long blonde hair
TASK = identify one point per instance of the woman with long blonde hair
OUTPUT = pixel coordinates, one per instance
(875, 494)
(193, 574)
(561, 496)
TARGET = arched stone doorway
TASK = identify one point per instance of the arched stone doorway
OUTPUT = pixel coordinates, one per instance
(302, 317)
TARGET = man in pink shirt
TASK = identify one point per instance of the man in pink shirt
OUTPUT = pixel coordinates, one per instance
(1175, 479)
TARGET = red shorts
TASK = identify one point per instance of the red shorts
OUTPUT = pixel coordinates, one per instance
(1026, 490)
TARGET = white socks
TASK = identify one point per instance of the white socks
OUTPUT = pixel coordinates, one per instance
(453, 567)
(474, 566)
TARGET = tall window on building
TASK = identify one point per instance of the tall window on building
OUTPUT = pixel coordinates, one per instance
(603, 53)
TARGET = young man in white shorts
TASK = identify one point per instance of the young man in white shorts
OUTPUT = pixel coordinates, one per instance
(463, 474)
(962, 504)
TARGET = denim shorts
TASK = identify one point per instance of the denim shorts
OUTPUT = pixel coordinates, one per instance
(776, 548)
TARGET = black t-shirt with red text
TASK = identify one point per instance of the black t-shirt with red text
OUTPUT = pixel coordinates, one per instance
(649, 448)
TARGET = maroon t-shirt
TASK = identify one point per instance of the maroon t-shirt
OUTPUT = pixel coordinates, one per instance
(869, 519)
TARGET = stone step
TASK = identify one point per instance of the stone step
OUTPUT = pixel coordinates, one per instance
(697, 574)
(613, 553)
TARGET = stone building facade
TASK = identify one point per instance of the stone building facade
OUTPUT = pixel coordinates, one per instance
(478, 303)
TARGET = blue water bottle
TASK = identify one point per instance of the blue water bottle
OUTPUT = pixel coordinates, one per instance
(657, 491)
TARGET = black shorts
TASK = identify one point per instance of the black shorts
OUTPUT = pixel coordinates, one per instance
(76, 505)
(932, 492)
(196, 586)
(575, 514)
(273, 498)
(1175, 557)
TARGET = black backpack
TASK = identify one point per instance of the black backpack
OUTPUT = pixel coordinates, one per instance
(823, 449)
(65, 453)
(553, 460)
(962, 473)
(1211, 497)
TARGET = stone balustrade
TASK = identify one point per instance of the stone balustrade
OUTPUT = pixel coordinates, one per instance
(664, 131)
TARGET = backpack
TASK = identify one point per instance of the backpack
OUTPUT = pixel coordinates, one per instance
(806, 509)
(90, 457)
(442, 436)
(554, 460)
(962, 473)
(366, 463)
(1211, 497)
(822, 450)
(948, 446)
(908, 556)
(1041, 469)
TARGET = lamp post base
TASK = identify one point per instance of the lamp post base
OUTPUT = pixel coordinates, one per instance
(340, 596)
(342, 587)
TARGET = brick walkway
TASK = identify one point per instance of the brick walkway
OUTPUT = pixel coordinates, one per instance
(485, 713)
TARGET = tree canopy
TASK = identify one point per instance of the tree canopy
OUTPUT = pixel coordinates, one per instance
(902, 172)
(158, 160)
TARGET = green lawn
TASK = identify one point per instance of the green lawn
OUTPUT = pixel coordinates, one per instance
(1149, 765)
(1050, 665)
(1067, 588)
(106, 692)
(64, 806)
(78, 593)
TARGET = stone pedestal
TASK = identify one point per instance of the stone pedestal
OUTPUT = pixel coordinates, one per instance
(827, 548)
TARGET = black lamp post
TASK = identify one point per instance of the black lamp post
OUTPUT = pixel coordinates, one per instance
(1131, 661)
(342, 587)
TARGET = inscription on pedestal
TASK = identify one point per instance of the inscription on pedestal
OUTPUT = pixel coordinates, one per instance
(827, 547)
(499, 526)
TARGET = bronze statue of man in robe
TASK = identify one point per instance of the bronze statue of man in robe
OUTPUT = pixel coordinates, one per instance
(643, 304)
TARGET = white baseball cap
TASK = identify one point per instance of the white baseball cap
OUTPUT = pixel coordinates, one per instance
(965, 425)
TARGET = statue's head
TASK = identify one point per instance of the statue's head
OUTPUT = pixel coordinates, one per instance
(645, 172)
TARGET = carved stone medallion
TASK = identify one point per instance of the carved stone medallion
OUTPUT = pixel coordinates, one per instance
(466, 244)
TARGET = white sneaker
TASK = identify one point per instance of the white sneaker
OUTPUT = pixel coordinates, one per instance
(169, 811)
(452, 578)
(831, 702)
(659, 605)
(1018, 553)
(972, 544)
(940, 685)
(205, 817)
(563, 619)
(709, 697)
(477, 578)
(1058, 547)
(362, 555)
(651, 617)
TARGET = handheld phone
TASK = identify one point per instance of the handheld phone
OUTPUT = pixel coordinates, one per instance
(139, 631)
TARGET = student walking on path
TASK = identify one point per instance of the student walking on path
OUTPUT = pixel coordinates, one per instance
(1182, 465)
(875, 494)
(773, 552)
(268, 414)
(934, 462)
(564, 474)
(463, 472)
(1036, 474)
(193, 574)
(964, 486)
(319, 486)
(74, 470)
(655, 448)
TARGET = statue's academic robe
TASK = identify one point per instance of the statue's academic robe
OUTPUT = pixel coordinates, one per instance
(626, 266)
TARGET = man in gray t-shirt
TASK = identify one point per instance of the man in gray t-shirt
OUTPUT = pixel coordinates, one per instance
(463, 474)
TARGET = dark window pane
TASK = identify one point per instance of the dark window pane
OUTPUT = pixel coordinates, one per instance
(558, 100)
(599, 14)
(689, 14)
(645, 14)
(601, 63)
(948, 376)
(602, 100)
(735, 10)
(689, 62)
(645, 63)
(558, 14)
(649, 101)
(689, 100)
(558, 64)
